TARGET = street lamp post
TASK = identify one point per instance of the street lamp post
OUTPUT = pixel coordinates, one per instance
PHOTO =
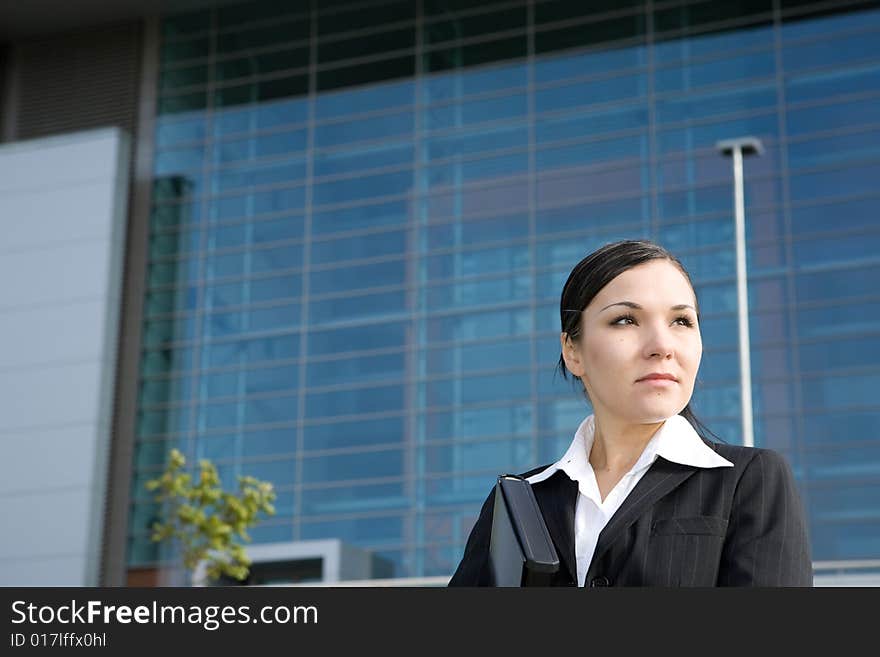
(737, 148)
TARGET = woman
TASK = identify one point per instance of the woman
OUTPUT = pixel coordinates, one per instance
(640, 498)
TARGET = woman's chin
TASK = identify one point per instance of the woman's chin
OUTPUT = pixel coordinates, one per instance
(648, 413)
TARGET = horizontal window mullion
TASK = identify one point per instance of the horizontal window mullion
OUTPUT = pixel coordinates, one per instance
(834, 100)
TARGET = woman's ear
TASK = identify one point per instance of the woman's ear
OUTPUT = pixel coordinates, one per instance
(571, 355)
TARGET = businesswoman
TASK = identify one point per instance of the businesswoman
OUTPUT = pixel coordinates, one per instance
(641, 498)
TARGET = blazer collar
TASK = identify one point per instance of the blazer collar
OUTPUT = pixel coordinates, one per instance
(674, 454)
(676, 440)
(557, 498)
(661, 479)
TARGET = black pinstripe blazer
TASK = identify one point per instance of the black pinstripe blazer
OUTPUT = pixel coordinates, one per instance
(680, 526)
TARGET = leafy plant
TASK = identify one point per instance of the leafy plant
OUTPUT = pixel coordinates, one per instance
(209, 523)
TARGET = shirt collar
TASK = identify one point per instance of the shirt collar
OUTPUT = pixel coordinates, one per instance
(676, 440)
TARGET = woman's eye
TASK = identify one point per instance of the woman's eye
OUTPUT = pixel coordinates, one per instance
(685, 321)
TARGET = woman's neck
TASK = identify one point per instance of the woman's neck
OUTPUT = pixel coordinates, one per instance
(616, 448)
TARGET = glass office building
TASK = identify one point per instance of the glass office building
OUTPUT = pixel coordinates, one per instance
(363, 215)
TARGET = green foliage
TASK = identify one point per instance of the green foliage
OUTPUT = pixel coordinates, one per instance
(209, 522)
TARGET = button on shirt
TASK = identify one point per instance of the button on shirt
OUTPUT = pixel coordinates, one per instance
(675, 440)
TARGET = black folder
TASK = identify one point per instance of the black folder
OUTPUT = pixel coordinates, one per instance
(521, 552)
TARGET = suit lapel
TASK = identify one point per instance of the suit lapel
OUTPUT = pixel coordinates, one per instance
(661, 478)
(557, 497)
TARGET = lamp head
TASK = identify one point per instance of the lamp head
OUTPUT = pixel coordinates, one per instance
(748, 146)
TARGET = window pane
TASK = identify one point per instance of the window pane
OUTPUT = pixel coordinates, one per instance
(174, 51)
(844, 182)
(462, 114)
(476, 231)
(353, 278)
(385, 367)
(283, 31)
(276, 230)
(849, 283)
(162, 361)
(350, 434)
(164, 391)
(366, 45)
(475, 25)
(476, 325)
(251, 175)
(382, 305)
(593, 216)
(696, 106)
(822, 428)
(477, 293)
(743, 67)
(250, 65)
(560, 10)
(831, 52)
(839, 320)
(183, 24)
(589, 124)
(473, 358)
(503, 455)
(507, 420)
(255, 148)
(363, 187)
(456, 85)
(353, 402)
(372, 336)
(389, 213)
(828, 84)
(354, 248)
(569, 186)
(362, 159)
(388, 69)
(331, 22)
(834, 150)
(174, 78)
(843, 392)
(270, 379)
(476, 141)
(476, 54)
(590, 92)
(589, 34)
(700, 14)
(712, 43)
(830, 117)
(254, 350)
(500, 387)
(358, 531)
(368, 99)
(385, 463)
(170, 132)
(475, 263)
(840, 354)
(351, 499)
(593, 152)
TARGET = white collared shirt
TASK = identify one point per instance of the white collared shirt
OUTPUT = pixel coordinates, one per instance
(675, 440)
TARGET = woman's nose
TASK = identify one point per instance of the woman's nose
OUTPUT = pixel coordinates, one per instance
(660, 341)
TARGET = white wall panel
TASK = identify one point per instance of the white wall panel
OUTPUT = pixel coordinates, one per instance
(62, 234)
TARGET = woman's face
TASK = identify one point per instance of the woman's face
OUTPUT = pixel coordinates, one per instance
(614, 351)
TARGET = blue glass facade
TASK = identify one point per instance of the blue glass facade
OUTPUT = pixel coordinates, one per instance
(363, 216)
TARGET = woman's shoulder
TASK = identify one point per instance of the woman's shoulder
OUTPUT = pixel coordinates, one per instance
(744, 457)
(534, 471)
